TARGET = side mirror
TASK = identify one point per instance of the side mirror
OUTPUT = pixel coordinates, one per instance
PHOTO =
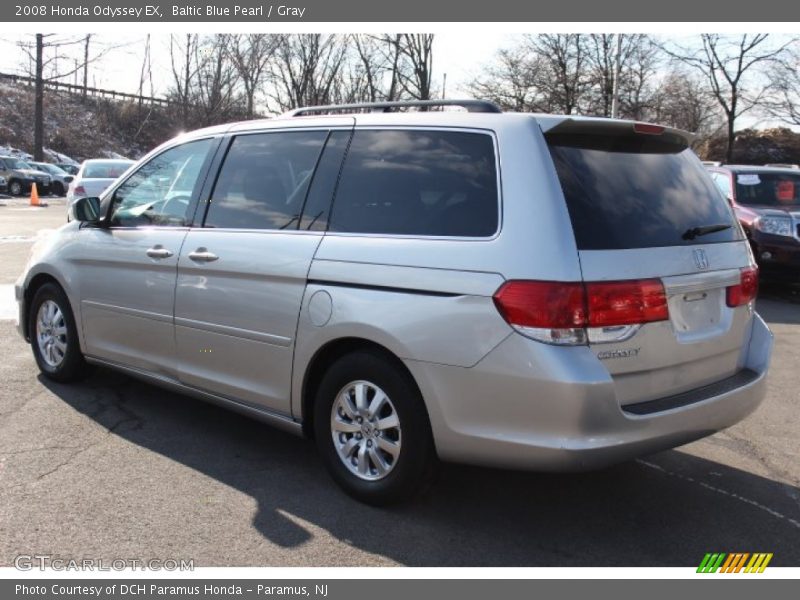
(86, 210)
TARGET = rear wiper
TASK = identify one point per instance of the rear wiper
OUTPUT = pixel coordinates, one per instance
(694, 232)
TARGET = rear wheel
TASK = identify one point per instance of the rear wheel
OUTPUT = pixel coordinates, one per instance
(372, 430)
(54, 337)
(58, 188)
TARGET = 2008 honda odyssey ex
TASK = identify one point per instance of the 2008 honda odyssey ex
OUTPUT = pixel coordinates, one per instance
(526, 291)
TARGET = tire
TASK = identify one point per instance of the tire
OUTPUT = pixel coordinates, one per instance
(54, 338)
(398, 461)
(58, 189)
(15, 188)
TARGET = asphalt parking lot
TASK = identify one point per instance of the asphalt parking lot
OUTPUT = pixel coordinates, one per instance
(114, 468)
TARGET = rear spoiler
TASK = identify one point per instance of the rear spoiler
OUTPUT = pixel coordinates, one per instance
(552, 125)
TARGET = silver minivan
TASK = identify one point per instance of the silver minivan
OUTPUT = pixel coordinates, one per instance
(407, 286)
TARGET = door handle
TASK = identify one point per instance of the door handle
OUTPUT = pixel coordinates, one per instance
(158, 252)
(203, 255)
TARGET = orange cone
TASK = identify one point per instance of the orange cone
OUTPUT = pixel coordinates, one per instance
(35, 196)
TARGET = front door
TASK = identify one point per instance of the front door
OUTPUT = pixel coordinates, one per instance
(129, 268)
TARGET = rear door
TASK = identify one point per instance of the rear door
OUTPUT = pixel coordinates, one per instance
(242, 276)
(643, 208)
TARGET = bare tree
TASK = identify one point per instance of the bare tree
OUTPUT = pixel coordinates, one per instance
(637, 62)
(369, 69)
(251, 55)
(43, 56)
(306, 70)
(548, 73)
(184, 62)
(784, 101)
(510, 81)
(563, 81)
(637, 80)
(417, 50)
(683, 101)
(726, 64)
(215, 96)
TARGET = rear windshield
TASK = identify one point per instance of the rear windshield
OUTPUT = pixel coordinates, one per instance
(768, 189)
(105, 170)
(636, 192)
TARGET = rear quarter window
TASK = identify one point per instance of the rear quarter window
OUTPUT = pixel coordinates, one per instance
(418, 182)
(635, 192)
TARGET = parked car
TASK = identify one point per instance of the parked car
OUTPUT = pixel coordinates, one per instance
(767, 203)
(527, 291)
(60, 179)
(21, 176)
(69, 168)
(94, 176)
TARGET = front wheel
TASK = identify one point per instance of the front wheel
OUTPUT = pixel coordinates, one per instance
(372, 429)
(15, 188)
(54, 337)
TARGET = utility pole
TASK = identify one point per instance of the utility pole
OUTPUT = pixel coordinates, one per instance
(615, 93)
(38, 119)
(86, 63)
(444, 86)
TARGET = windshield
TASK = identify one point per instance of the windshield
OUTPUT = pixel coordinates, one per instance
(780, 190)
(20, 165)
(105, 170)
(52, 169)
(634, 192)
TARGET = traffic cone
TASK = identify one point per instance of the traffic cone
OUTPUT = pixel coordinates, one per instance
(35, 196)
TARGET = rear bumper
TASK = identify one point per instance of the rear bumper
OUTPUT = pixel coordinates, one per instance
(531, 406)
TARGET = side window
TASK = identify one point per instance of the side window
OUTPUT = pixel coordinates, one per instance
(723, 183)
(416, 182)
(264, 180)
(159, 193)
(318, 203)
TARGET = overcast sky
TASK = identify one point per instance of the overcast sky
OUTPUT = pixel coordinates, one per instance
(458, 55)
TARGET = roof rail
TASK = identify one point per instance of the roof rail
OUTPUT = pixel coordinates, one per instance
(783, 165)
(478, 106)
(712, 163)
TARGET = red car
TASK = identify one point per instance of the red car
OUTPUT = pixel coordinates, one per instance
(767, 203)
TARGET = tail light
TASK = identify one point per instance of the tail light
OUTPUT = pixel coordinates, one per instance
(574, 313)
(746, 290)
(626, 302)
(80, 190)
(648, 128)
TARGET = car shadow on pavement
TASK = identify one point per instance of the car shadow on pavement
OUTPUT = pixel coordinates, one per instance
(665, 510)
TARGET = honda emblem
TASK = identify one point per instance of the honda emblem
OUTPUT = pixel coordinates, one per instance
(700, 259)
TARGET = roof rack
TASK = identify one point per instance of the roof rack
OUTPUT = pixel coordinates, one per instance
(783, 165)
(477, 106)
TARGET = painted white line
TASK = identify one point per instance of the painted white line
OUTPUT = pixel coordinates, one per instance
(713, 488)
(8, 303)
(12, 239)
